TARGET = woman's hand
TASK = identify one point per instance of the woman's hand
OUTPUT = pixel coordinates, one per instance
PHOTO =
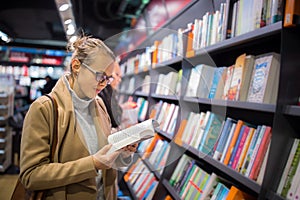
(129, 150)
(103, 160)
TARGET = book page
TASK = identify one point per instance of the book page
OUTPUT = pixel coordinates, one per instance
(132, 135)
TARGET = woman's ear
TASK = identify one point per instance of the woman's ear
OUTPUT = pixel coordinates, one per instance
(75, 65)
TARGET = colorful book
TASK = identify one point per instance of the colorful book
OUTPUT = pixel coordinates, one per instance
(288, 165)
(245, 149)
(233, 141)
(261, 153)
(222, 138)
(292, 9)
(248, 156)
(211, 134)
(264, 79)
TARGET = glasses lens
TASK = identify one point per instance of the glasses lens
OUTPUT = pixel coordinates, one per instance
(100, 77)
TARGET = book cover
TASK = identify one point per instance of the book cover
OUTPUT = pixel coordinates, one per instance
(178, 136)
(261, 153)
(211, 134)
(228, 142)
(194, 184)
(262, 170)
(237, 194)
(222, 139)
(248, 156)
(236, 145)
(294, 185)
(186, 177)
(133, 134)
(205, 83)
(211, 184)
(233, 141)
(187, 186)
(236, 81)
(240, 146)
(221, 84)
(291, 172)
(183, 174)
(229, 74)
(255, 149)
(292, 9)
(203, 122)
(192, 128)
(171, 126)
(183, 160)
(187, 130)
(263, 78)
(193, 84)
(202, 186)
(245, 149)
(287, 165)
(247, 72)
(215, 82)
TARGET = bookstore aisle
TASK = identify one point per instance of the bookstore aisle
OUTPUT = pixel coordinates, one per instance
(224, 87)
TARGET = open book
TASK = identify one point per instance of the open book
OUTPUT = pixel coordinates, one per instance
(133, 134)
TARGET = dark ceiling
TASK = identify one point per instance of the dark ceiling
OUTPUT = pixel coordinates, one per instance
(37, 22)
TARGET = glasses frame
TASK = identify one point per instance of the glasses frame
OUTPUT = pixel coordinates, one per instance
(100, 76)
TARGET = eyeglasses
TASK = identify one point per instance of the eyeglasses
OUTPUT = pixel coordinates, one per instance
(100, 76)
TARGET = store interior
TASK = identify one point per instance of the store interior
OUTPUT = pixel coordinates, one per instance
(163, 47)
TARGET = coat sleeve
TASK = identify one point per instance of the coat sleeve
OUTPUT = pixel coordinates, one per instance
(36, 171)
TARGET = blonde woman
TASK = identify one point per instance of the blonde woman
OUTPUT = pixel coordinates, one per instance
(81, 168)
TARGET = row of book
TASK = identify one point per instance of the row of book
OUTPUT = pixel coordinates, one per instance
(142, 106)
(235, 143)
(166, 115)
(250, 15)
(207, 30)
(251, 78)
(156, 151)
(169, 84)
(141, 180)
(289, 185)
(192, 182)
(188, 180)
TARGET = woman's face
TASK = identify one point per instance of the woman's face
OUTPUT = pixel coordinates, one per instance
(87, 84)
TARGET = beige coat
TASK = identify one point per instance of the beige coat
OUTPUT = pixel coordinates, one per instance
(72, 176)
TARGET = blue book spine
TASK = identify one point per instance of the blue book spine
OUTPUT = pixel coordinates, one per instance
(236, 146)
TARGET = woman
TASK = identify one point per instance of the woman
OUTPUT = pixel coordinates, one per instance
(81, 168)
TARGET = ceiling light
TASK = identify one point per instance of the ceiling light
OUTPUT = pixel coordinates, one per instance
(64, 7)
(73, 38)
(70, 31)
(68, 21)
(4, 37)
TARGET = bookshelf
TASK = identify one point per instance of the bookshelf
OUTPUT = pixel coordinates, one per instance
(6, 111)
(283, 116)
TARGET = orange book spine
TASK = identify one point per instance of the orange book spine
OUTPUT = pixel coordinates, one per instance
(292, 7)
(233, 141)
(155, 52)
(180, 131)
(127, 175)
(189, 48)
(151, 146)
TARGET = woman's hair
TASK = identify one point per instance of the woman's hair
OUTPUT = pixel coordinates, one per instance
(86, 48)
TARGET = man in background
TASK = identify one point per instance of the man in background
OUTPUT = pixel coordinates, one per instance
(48, 86)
